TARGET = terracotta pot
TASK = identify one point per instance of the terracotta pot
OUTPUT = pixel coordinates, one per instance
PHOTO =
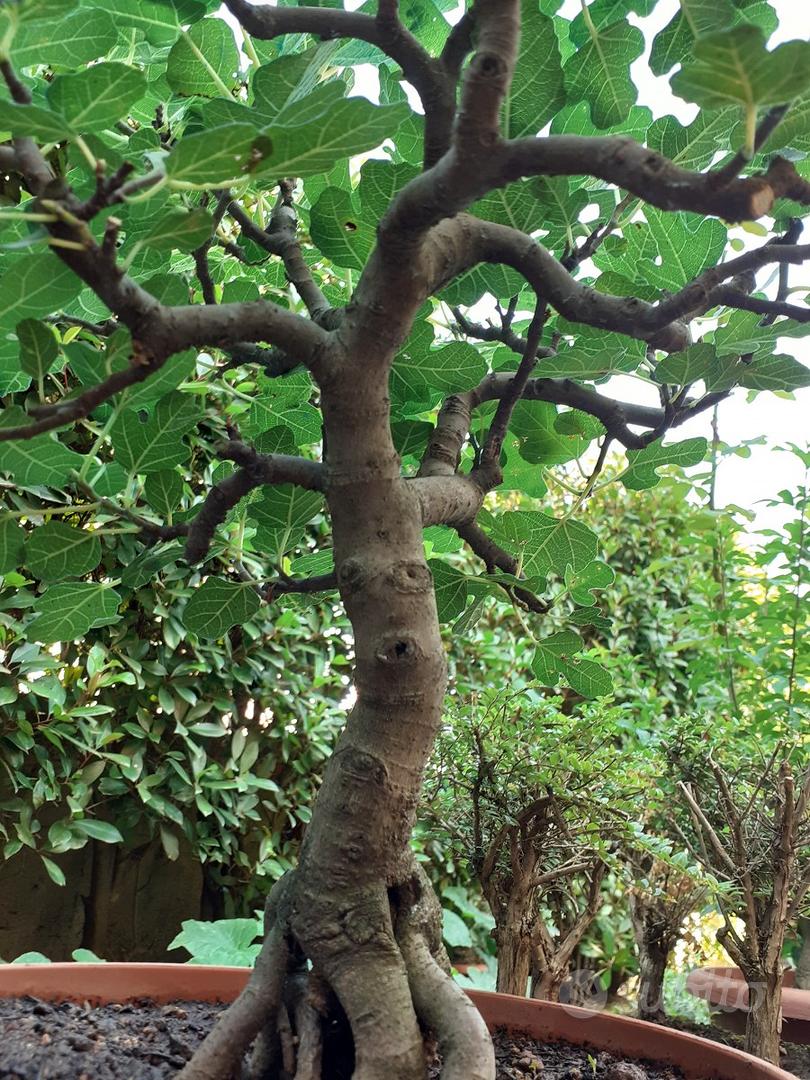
(698, 1059)
(726, 992)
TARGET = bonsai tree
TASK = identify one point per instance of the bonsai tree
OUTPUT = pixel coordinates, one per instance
(753, 832)
(660, 899)
(169, 293)
(535, 799)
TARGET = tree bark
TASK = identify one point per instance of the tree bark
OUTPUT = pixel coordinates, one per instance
(355, 850)
(803, 963)
(764, 1023)
(655, 930)
(652, 964)
(514, 961)
(547, 983)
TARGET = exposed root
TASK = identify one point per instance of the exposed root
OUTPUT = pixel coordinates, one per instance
(220, 1054)
(349, 937)
(309, 1025)
(440, 1003)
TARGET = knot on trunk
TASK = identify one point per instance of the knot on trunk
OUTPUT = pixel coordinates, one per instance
(410, 577)
(399, 648)
(352, 575)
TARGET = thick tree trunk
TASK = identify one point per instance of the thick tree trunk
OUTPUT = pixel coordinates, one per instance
(652, 965)
(514, 961)
(655, 938)
(803, 963)
(356, 849)
(764, 1021)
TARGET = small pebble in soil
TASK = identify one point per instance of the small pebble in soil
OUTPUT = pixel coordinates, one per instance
(145, 1041)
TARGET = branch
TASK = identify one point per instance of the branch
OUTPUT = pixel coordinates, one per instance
(436, 90)
(459, 44)
(654, 178)
(772, 119)
(490, 467)
(614, 415)
(255, 470)
(728, 296)
(456, 246)
(504, 334)
(281, 238)
(319, 583)
(8, 160)
(705, 828)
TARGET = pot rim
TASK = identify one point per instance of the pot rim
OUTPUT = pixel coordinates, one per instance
(726, 987)
(699, 1058)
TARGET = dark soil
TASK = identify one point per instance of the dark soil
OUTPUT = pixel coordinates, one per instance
(795, 1057)
(144, 1041)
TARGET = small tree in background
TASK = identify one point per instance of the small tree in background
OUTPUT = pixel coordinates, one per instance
(660, 898)
(751, 823)
(536, 799)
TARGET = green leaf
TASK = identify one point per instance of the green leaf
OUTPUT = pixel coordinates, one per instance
(692, 146)
(599, 72)
(12, 538)
(160, 20)
(420, 372)
(38, 348)
(544, 544)
(180, 230)
(36, 285)
(217, 157)
(204, 60)
(33, 121)
(168, 377)
(97, 830)
(550, 653)
(588, 678)
(86, 956)
(682, 368)
(455, 931)
(734, 66)
(674, 44)
(350, 126)
(380, 181)
(34, 957)
(537, 89)
(66, 612)
(778, 372)
(450, 587)
(582, 583)
(146, 566)
(95, 98)
(282, 515)
(156, 443)
(642, 467)
(169, 843)
(164, 491)
(55, 551)
(340, 231)
(41, 460)
(219, 604)
(57, 876)
(227, 941)
(67, 42)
